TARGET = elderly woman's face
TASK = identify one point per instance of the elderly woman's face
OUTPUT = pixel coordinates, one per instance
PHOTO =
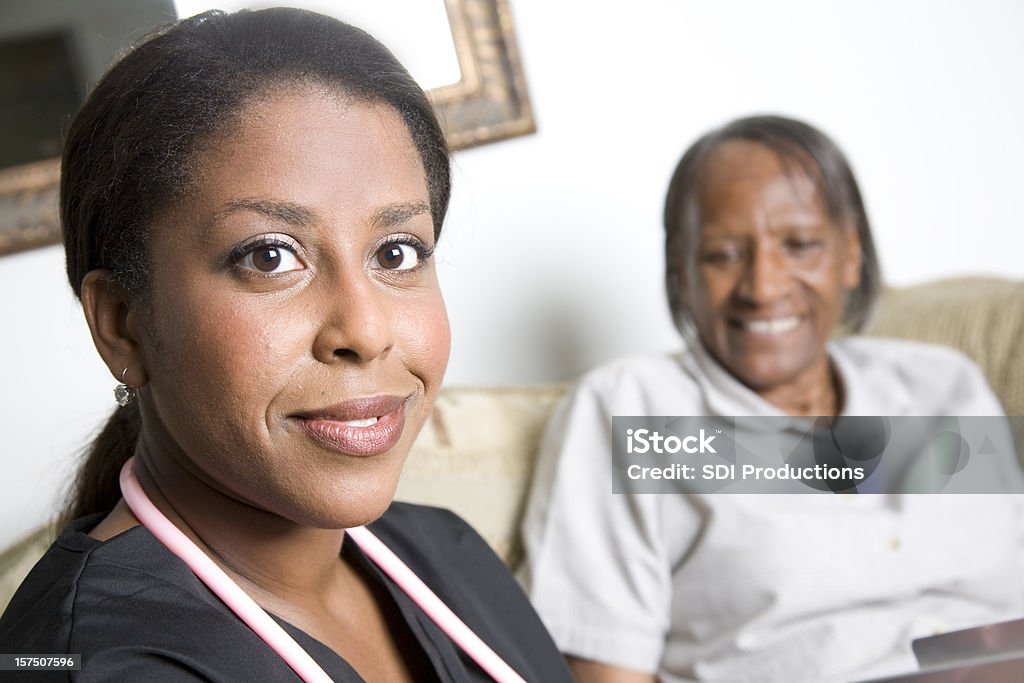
(296, 336)
(772, 267)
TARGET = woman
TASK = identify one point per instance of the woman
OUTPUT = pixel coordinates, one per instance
(768, 251)
(250, 205)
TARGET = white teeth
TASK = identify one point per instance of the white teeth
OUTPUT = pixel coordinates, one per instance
(773, 326)
(361, 423)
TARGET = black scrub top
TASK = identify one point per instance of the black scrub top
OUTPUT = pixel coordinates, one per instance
(135, 612)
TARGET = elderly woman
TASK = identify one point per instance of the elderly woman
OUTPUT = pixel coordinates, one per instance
(768, 250)
(250, 206)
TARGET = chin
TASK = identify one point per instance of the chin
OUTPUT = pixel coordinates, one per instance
(343, 507)
(764, 377)
(370, 511)
(766, 369)
(343, 519)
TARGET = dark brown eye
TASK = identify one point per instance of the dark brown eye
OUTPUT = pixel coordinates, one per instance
(266, 259)
(397, 256)
(267, 256)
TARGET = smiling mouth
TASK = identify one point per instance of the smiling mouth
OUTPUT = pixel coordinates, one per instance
(360, 427)
(770, 326)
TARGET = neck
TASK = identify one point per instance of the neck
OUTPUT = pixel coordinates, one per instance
(280, 563)
(817, 391)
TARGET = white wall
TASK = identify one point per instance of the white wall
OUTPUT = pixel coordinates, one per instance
(552, 257)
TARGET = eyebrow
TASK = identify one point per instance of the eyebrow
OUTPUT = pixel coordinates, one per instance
(799, 220)
(299, 216)
(396, 214)
(285, 212)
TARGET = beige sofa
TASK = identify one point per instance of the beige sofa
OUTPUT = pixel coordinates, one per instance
(477, 451)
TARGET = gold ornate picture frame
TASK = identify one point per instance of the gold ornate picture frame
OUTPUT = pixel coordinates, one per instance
(28, 206)
(489, 103)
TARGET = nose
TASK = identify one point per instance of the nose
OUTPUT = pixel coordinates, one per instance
(355, 324)
(766, 276)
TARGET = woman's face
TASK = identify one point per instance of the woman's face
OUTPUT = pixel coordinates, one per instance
(296, 336)
(772, 267)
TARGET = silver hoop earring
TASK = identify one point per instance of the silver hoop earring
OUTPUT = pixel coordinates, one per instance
(123, 393)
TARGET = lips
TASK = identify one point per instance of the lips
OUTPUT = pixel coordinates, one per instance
(361, 427)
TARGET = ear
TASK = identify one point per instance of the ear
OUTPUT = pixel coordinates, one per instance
(111, 314)
(854, 260)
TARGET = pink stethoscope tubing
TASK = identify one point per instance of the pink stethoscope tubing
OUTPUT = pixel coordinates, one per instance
(269, 630)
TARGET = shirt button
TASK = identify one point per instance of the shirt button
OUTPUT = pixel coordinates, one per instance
(893, 543)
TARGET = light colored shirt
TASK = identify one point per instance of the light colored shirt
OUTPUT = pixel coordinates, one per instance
(765, 588)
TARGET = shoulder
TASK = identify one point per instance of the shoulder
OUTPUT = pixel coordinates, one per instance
(132, 610)
(883, 350)
(639, 384)
(935, 379)
(634, 368)
(413, 524)
(913, 362)
(458, 565)
(577, 435)
(436, 542)
(38, 618)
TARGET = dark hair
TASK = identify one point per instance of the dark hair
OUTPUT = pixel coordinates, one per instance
(134, 147)
(796, 143)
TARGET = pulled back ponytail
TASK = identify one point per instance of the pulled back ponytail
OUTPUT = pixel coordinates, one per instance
(96, 486)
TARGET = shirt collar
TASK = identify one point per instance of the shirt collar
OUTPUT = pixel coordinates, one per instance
(868, 389)
(726, 396)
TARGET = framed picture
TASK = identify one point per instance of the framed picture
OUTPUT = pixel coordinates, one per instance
(488, 103)
(28, 206)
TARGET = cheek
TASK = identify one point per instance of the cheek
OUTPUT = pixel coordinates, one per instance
(425, 335)
(826, 278)
(715, 287)
(241, 350)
